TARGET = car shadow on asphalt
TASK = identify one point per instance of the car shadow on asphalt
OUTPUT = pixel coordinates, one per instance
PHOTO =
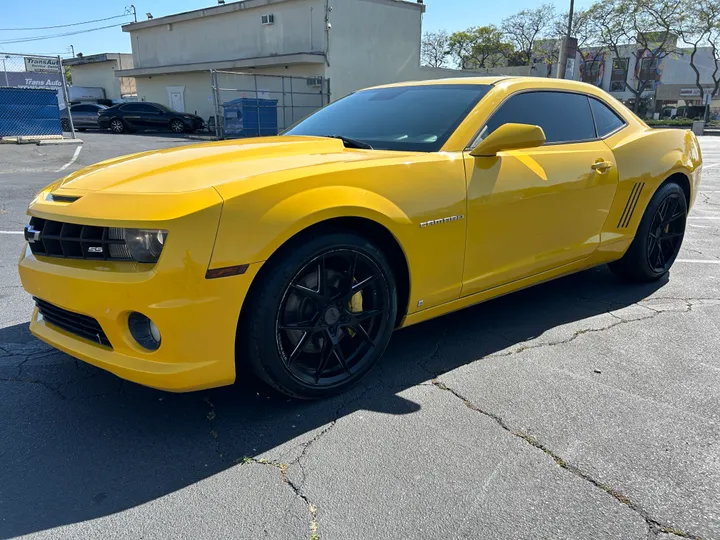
(78, 443)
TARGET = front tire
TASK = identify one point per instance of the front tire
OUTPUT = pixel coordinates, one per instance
(321, 317)
(658, 239)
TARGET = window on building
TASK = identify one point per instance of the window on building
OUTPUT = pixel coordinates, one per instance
(268, 19)
(564, 117)
(606, 120)
(617, 86)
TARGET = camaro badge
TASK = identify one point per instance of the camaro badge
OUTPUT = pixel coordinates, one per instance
(441, 220)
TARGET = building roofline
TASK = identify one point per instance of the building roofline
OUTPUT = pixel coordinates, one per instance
(232, 8)
(239, 63)
(94, 58)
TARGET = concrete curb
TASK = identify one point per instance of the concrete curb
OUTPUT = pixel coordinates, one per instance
(48, 142)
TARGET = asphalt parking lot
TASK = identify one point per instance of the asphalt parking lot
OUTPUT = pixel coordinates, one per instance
(583, 408)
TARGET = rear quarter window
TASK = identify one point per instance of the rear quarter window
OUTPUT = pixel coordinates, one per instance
(606, 120)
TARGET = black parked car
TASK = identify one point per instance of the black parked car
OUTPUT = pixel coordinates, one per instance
(84, 116)
(142, 115)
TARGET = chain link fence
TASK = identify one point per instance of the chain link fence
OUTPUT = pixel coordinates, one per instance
(252, 105)
(33, 98)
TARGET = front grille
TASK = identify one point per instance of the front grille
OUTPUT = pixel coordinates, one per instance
(72, 241)
(80, 325)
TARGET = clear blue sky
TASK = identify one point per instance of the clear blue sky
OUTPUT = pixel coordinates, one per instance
(450, 15)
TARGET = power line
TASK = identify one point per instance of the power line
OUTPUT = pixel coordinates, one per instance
(63, 25)
(53, 36)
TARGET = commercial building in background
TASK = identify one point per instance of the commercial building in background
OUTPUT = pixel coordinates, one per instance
(326, 47)
(670, 80)
(98, 71)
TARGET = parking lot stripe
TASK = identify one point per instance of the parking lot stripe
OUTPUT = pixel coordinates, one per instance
(703, 217)
(11, 232)
(697, 261)
(75, 156)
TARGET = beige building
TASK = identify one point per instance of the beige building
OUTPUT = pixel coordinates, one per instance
(315, 50)
(99, 70)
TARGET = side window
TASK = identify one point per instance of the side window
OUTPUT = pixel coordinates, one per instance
(564, 117)
(139, 108)
(606, 120)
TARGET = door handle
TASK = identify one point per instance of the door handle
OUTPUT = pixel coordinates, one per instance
(601, 166)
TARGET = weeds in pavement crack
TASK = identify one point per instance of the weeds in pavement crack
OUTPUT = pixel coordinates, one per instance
(652, 523)
(211, 415)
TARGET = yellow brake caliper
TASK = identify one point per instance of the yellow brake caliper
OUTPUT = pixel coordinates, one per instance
(355, 306)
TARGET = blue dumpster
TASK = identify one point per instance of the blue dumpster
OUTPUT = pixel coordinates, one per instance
(29, 112)
(250, 117)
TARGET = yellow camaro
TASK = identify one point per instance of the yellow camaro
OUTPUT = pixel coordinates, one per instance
(296, 256)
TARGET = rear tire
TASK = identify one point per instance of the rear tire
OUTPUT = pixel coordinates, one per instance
(321, 317)
(117, 126)
(177, 126)
(658, 239)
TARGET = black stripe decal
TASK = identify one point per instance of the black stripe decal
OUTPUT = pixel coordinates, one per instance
(627, 205)
(634, 204)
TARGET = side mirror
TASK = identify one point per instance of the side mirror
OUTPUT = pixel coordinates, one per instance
(509, 137)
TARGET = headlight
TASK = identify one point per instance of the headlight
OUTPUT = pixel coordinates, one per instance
(145, 245)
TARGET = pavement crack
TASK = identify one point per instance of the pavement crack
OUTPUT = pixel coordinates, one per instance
(26, 380)
(211, 416)
(654, 525)
(297, 490)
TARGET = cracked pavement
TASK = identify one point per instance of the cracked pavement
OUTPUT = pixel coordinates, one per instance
(582, 408)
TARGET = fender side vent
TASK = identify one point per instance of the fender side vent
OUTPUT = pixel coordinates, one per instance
(630, 205)
(61, 198)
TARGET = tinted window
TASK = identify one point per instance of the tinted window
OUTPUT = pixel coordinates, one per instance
(606, 120)
(414, 118)
(139, 108)
(564, 117)
(84, 108)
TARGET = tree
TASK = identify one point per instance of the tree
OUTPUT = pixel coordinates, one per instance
(699, 25)
(638, 29)
(479, 47)
(592, 54)
(435, 49)
(68, 74)
(525, 27)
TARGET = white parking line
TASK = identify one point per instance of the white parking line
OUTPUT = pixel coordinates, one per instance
(11, 232)
(75, 156)
(711, 165)
(704, 217)
(697, 261)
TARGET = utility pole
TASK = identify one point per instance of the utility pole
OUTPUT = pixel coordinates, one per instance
(72, 50)
(562, 62)
(134, 11)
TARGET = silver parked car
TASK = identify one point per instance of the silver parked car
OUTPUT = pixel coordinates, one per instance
(84, 116)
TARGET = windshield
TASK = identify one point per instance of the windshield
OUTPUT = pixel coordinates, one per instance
(411, 118)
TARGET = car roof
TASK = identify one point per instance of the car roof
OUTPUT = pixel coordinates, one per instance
(541, 82)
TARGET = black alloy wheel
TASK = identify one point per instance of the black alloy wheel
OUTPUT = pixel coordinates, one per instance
(331, 316)
(658, 238)
(117, 125)
(334, 311)
(177, 126)
(666, 233)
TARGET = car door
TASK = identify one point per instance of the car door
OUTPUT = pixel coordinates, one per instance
(536, 209)
(156, 117)
(79, 115)
(132, 113)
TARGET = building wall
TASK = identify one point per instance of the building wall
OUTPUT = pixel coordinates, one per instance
(102, 74)
(232, 35)
(372, 42)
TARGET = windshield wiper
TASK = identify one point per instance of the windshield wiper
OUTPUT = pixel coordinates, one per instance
(350, 143)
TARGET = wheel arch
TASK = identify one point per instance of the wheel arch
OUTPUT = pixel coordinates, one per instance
(369, 229)
(682, 179)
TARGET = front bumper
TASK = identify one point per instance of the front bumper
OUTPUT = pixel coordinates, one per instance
(197, 317)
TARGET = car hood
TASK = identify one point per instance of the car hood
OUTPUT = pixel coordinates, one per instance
(197, 167)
